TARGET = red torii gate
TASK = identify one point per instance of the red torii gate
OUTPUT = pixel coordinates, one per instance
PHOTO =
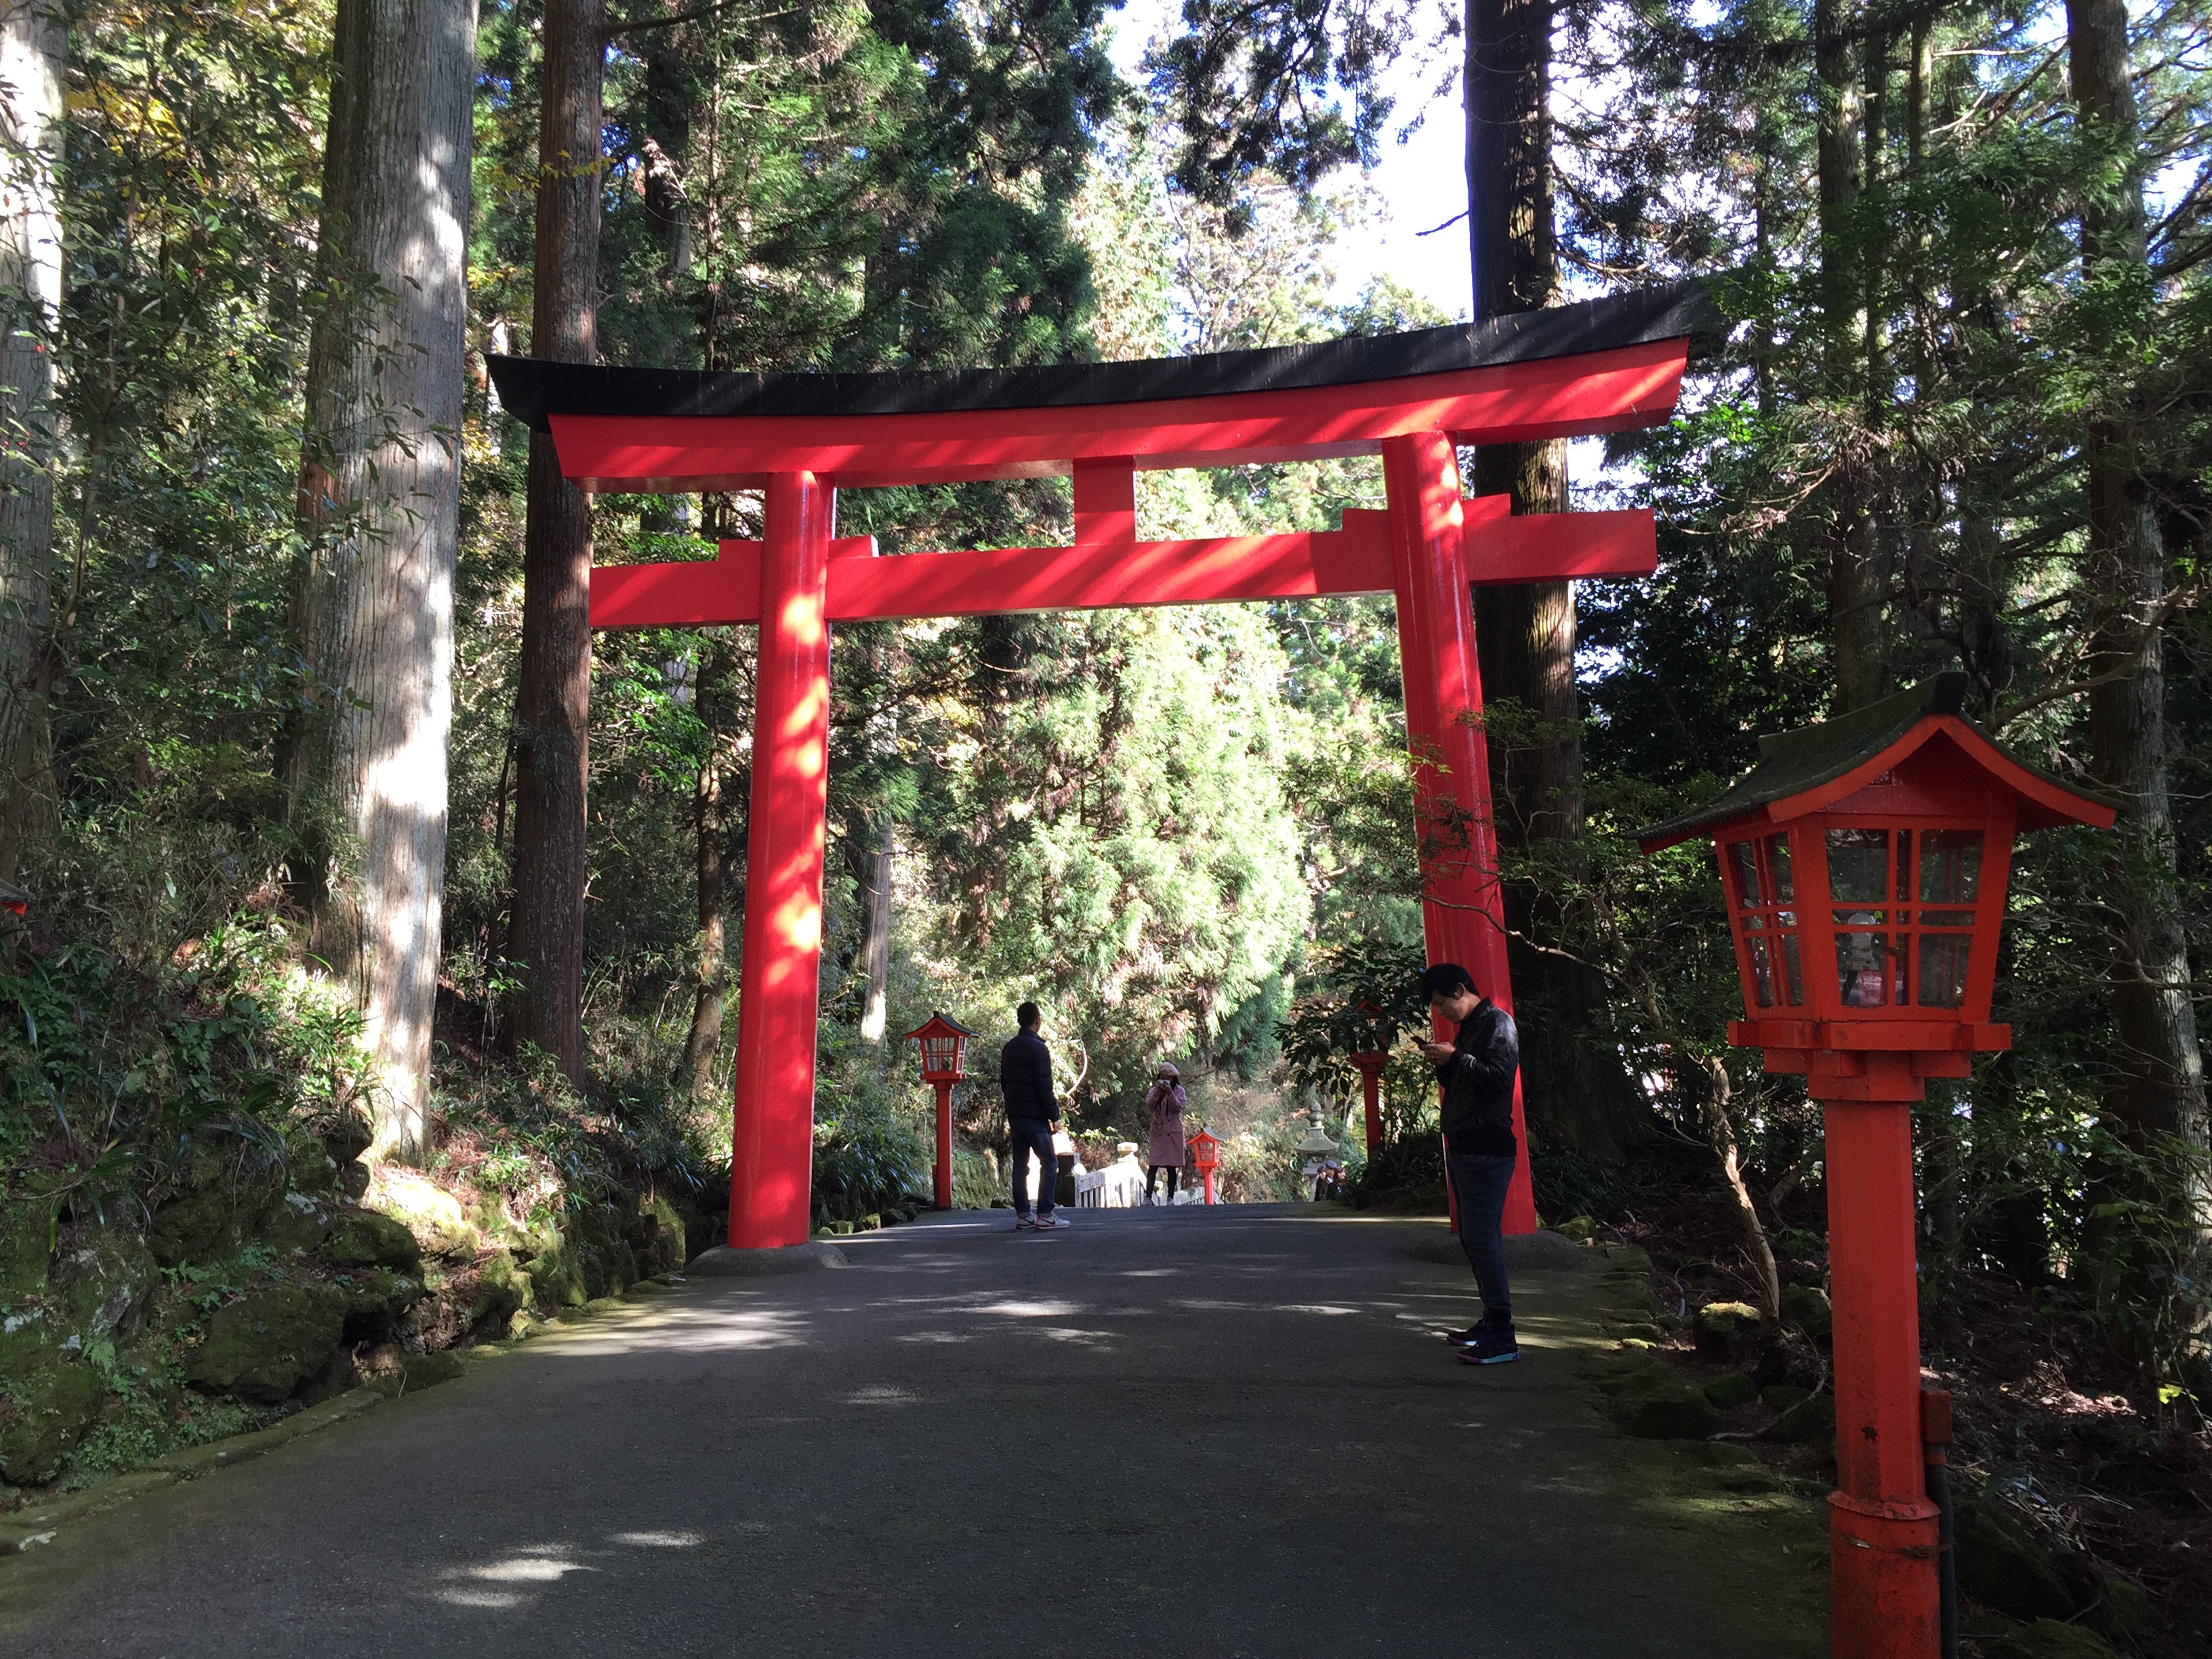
(1604, 365)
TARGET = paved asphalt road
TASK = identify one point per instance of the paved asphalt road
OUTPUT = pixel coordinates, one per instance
(1190, 1432)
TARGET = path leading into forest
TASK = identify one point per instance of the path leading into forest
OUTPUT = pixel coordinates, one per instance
(1192, 1432)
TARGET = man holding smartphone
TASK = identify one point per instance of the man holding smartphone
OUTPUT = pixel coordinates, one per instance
(1032, 1114)
(1477, 1069)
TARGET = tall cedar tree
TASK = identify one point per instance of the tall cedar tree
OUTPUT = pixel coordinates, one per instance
(34, 49)
(379, 486)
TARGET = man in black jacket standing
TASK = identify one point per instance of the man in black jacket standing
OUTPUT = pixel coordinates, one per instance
(1032, 1115)
(1477, 1069)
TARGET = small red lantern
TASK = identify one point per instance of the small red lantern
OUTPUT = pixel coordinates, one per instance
(1205, 1157)
(1370, 1059)
(1865, 862)
(943, 1050)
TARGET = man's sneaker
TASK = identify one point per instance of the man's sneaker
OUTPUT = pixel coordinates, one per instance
(1493, 1345)
(1046, 1224)
(1024, 1223)
(1463, 1339)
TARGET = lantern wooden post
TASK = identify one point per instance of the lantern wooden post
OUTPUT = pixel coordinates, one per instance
(944, 1049)
(1865, 863)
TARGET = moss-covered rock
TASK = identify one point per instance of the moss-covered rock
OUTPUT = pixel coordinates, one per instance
(502, 1290)
(1779, 1397)
(372, 1300)
(299, 1222)
(28, 1224)
(225, 1193)
(1727, 1393)
(426, 1370)
(366, 1239)
(263, 1347)
(1582, 1229)
(1805, 1308)
(665, 1237)
(557, 1277)
(1813, 1418)
(1726, 1328)
(1670, 1411)
(427, 1210)
(104, 1281)
(2048, 1639)
(48, 1397)
(2002, 1563)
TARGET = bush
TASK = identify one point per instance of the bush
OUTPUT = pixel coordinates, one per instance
(1406, 1175)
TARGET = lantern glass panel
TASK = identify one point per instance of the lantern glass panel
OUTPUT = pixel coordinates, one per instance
(1778, 861)
(1764, 891)
(1950, 866)
(1744, 855)
(1869, 972)
(1762, 970)
(1858, 867)
(1943, 969)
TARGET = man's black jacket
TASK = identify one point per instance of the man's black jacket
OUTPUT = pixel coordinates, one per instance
(1026, 1077)
(1477, 1083)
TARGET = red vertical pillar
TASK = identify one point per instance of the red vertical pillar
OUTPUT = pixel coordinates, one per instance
(772, 1146)
(1371, 1084)
(1462, 913)
(1883, 1534)
(943, 1145)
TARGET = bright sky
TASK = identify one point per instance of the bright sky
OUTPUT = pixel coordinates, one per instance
(1421, 182)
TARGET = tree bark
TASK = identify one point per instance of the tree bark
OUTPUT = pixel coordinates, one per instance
(2157, 1099)
(873, 872)
(379, 505)
(1855, 598)
(1575, 1087)
(553, 698)
(33, 54)
(710, 821)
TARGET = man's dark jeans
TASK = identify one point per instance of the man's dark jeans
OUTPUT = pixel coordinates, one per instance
(1032, 1136)
(1479, 1185)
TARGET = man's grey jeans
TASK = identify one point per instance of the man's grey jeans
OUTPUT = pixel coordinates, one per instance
(1479, 1185)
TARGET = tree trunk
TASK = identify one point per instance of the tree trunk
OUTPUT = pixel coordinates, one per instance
(1575, 1087)
(2157, 1099)
(710, 822)
(553, 698)
(874, 875)
(33, 54)
(1855, 599)
(379, 505)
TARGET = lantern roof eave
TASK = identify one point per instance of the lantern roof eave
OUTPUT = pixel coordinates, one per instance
(1811, 768)
(935, 1022)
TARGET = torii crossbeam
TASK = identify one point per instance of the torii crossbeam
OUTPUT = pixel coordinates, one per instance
(1605, 366)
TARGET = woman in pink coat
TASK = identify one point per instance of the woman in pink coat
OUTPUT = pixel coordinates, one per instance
(1163, 1104)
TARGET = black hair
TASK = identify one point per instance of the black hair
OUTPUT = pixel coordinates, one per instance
(1028, 1015)
(1447, 979)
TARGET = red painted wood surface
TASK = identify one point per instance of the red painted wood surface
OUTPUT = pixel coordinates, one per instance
(1612, 390)
(1100, 572)
(1882, 1529)
(1462, 909)
(772, 1142)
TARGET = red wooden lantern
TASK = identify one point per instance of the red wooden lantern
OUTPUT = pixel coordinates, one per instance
(1205, 1157)
(1371, 1058)
(1865, 862)
(944, 1049)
